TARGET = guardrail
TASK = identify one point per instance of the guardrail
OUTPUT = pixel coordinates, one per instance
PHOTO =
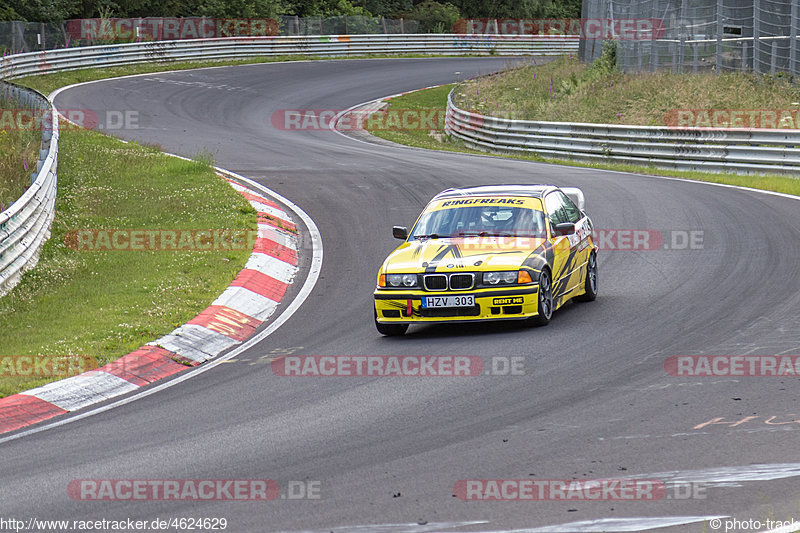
(311, 45)
(25, 225)
(741, 151)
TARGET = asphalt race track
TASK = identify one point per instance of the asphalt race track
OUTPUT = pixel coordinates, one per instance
(594, 401)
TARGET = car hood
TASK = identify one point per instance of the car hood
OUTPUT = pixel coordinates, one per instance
(462, 254)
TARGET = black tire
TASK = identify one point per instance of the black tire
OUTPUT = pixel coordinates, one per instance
(390, 330)
(545, 295)
(590, 285)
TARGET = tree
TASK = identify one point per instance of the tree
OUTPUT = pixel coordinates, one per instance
(434, 17)
(519, 8)
(325, 8)
(40, 10)
(386, 8)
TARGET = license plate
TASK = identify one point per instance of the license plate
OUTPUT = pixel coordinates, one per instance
(465, 300)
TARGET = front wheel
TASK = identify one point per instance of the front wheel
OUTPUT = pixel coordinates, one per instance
(590, 285)
(545, 300)
(390, 330)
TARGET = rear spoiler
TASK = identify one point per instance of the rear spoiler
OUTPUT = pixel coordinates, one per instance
(576, 195)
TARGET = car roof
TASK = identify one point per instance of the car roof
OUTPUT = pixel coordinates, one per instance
(535, 191)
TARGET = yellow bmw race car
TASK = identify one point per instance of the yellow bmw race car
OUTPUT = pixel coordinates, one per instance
(508, 252)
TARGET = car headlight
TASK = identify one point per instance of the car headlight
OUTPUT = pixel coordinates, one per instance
(401, 280)
(500, 278)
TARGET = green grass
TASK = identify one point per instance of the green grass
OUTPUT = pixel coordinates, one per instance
(598, 94)
(46, 83)
(106, 304)
(19, 148)
(436, 99)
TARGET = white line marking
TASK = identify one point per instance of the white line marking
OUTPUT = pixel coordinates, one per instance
(399, 528)
(609, 525)
(726, 476)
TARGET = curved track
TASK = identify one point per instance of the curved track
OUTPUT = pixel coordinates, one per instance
(595, 401)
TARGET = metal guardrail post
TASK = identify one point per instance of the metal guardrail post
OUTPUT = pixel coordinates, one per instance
(744, 56)
(720, 30)
(756, 36)
(674, 47)
(793, 38)
(773, 58)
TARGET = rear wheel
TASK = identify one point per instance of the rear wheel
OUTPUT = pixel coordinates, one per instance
(590, 285)
(545, 300)
(390, 330)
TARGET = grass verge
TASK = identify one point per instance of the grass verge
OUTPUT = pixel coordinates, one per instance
(435, 101)
(19, 151)
(104, 304)
(567, 90)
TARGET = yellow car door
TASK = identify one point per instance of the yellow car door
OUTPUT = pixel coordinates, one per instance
(566, 257)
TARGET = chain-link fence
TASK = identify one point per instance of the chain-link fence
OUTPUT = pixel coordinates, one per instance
(701, 35)
(17, 36)
(355, 25)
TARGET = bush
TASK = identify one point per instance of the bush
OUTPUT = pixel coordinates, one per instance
(607, 62)
(434, 17)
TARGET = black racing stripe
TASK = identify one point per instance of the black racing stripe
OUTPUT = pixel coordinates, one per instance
(568, 264)
(441, 254)
(531, 262)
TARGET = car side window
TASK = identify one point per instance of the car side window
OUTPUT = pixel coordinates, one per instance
(555, 209)
(572, 212)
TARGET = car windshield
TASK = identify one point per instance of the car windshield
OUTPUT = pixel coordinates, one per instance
(480, 221)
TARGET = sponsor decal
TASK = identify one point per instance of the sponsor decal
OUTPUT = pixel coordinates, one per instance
(516, 300)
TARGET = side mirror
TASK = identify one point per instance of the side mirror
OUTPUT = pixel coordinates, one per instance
(401, 232)
(565, 228)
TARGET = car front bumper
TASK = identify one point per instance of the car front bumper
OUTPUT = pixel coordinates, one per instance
(396, 306)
